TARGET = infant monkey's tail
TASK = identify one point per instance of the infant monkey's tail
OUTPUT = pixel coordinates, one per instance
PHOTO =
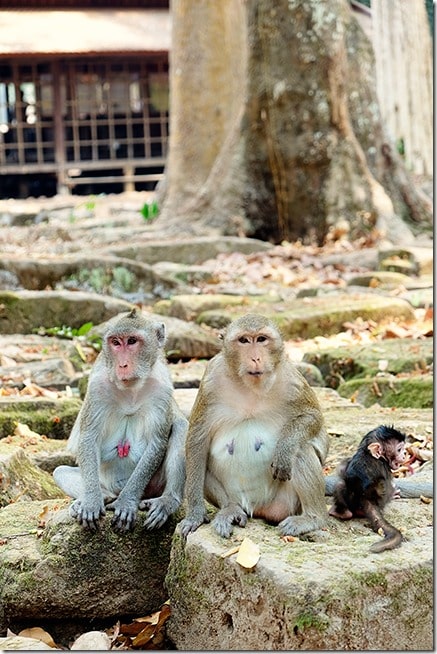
(392, 538)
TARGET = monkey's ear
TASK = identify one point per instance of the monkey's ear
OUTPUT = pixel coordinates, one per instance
(221, 334)
(375, 450)
(160, 333)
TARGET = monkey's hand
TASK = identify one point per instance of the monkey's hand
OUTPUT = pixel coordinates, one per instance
(281, 463)
(396, 495)
(125, 513)
(281, 468)
(88, 512)
(193, 522)
(159, 509)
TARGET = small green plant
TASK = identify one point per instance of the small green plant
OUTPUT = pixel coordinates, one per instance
(400, 146)
(90, 204)
(96, 278)
(81, 333)
(150, 210)
(123, 279)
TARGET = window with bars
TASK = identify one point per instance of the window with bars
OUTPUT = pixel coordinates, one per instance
(83, 113)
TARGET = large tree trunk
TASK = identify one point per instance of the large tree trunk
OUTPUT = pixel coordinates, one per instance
(207, 71)
(290, 145)
(403, 53)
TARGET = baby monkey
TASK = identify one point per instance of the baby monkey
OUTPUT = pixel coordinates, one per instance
(366, 483)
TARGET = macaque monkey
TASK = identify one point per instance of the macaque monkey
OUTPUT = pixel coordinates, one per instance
(256, 440)
(366, 484)
(129, 435)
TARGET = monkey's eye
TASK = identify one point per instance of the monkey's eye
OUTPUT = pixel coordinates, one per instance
(131, 340)
(115, 342)
(243, 339)
(261, 339)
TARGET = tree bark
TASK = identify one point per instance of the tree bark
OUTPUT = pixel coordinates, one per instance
(403, 53)
(298, 145)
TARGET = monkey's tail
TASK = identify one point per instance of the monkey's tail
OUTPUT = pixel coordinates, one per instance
(392, 538)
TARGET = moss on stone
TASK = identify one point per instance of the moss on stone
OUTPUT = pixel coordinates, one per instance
(317, 316)
(344, 363)
(53, 419)
(413, 391)
(21, 479)
(307, 619)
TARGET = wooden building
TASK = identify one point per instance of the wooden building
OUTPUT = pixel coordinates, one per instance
(83, 96)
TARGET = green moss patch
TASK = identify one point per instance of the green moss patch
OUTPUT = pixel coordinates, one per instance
(415, 391)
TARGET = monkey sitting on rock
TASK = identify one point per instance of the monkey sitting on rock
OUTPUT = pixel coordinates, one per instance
(365, 483)
(129, 435)
(256, 442)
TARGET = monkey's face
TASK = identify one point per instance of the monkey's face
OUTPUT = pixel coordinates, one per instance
(253, 356)
(126, 358)
(395, 453)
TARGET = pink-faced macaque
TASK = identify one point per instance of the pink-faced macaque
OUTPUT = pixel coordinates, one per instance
(129, 435)
(366, 483)
(256, 441)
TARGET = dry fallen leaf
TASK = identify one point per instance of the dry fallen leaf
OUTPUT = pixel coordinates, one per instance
(42, 517)
(248, 554)
(38, 634)
(144, 632)
(230, 552)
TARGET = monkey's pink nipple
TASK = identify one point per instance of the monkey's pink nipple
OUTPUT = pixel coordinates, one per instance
(123, 449)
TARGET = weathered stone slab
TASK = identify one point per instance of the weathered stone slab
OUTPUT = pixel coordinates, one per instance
(62, 572)
(189, 251)
(119, 274)
(410, 391)
(332, 594)
(418, 259)
(21, 479)
(318, 316)
(53, 418)
(363, 359)
(189, 307)
(24, 311)
(55, 373)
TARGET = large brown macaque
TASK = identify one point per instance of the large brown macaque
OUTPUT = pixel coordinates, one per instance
(256, 441)
(366, 483)
(129, 436)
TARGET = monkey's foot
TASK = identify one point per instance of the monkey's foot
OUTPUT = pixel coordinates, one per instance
(342, 515)
(125, 514)
(87, 514)
(193, 522)
(295, 525)
(159, 509)
(228, 516)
